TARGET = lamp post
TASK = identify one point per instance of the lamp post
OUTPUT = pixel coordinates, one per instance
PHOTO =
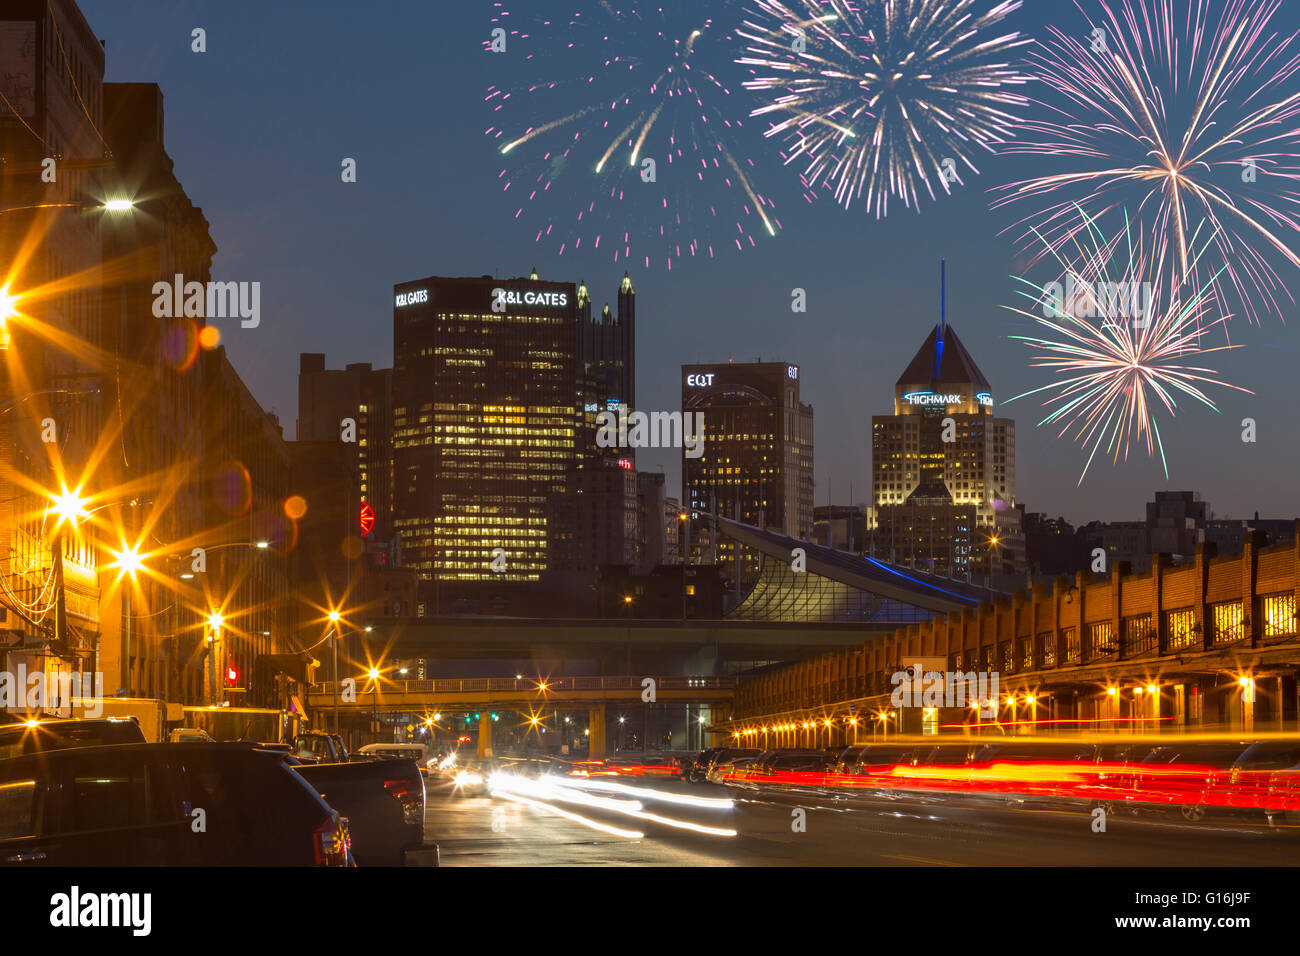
(334, 617)
(68, 507)
(128, 561)
(373, 674)
(215, 620)
(993, 543)
(684, 542)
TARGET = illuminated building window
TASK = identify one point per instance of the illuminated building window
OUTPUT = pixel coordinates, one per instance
(1101, 639)
(1279, 614)
(1228, 622)
(1139, 634)
(1073, 650)
(1179, 627)
(1047, 649)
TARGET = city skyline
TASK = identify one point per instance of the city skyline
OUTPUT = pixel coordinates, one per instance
(340, 526)
(327, 269)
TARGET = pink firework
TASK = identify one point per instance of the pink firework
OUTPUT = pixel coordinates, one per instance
(1186, 113)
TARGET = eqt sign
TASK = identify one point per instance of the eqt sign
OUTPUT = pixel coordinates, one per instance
(699, 379)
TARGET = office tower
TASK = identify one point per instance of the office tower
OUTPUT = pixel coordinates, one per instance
(755, 464)
(354, 406)
(943, 465)
(485, 424)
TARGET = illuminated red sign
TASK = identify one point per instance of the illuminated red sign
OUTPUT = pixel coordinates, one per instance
(367, 518)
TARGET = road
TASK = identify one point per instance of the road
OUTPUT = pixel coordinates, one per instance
(900, 831)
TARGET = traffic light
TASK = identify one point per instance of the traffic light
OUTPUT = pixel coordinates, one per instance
(232, 674)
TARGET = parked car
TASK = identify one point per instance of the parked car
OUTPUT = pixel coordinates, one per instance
(206, 804)
(1180, 775)
(1247, 786)
(881, 759)
(384, 802)
(698, 769)
(414, 752)
(185, 735)
(808, 761)
(55, 733)
(731, 764)
(728, 755)
(320, 748)
(1284, 797)
(848, 757)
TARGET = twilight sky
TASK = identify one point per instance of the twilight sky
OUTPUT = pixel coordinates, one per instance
(259, 124)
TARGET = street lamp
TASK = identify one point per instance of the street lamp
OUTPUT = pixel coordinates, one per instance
(214, 622)
(334, 618)
(684, 542)
(373, 674)
(68, 507)
(993, 543)
(8, 310)
(128, 561)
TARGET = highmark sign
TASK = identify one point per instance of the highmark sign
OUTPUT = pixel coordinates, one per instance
(945, 398)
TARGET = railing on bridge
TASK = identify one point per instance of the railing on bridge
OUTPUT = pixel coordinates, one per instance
(557, 685)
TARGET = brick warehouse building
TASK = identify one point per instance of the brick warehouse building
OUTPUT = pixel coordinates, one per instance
(1209, 643)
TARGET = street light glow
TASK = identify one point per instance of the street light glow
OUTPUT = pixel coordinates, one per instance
(119, 205)
(334, 617)
(8, 303)
(129, 560)
(68, 506)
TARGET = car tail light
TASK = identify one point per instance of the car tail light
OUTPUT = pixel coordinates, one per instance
(331, 841)
(409, 795)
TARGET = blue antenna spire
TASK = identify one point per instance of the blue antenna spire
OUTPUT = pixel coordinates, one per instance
(943, 311)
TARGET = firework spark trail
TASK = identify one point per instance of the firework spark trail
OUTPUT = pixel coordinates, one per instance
(1120, 343)
(873, 97)
(647, 88)
(1182, 116)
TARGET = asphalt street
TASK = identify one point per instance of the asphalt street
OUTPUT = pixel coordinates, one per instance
(784, 829)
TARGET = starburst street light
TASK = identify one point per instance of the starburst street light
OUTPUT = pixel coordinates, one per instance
(8, 302)
(68, 506)
(8, 310)
(128, 561)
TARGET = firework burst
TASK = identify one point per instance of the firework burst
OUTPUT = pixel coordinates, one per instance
(1122, 329)
(1182, 115)
(647, 88)
(883, 97)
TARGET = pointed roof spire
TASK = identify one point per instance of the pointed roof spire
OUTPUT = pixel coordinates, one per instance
(583, 297)
(626, 285)
(534, 273)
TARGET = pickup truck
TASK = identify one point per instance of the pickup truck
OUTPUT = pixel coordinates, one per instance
(318, 747)
(383, 801)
